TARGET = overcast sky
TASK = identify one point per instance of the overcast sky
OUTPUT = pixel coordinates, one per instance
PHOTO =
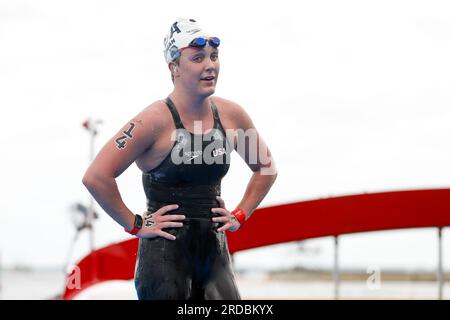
(350, 96)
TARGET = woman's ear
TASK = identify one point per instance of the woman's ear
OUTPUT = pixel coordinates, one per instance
(173, 67)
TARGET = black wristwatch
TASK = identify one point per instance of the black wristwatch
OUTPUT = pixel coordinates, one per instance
(138, 222)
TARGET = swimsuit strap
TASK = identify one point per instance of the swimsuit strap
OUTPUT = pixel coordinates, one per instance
(177, 119)
(174, 112)
(216, 115)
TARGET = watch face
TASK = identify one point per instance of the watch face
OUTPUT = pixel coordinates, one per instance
(138, 221)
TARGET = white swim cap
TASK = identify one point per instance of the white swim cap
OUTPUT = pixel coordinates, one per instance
(180, 35)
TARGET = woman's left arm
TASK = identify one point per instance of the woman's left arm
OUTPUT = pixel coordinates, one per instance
(255, 152)
(249, 144)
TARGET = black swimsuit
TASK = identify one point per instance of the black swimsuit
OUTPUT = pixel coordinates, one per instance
(197, 264)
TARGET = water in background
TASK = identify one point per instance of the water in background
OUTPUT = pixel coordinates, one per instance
(49, 284)
(18, 284)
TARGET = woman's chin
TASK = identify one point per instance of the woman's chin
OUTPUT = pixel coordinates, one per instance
(207, 91)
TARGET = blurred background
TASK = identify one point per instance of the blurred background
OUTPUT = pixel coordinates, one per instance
(350, 96)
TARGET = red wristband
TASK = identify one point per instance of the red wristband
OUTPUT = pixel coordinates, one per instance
(137, 225)
(240, 215)
(132, 231)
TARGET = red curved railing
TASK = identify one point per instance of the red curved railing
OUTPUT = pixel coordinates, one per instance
(293, 222)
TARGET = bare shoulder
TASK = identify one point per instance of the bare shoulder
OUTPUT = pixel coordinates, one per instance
(232, 114)
(133, 139)
(154, 115)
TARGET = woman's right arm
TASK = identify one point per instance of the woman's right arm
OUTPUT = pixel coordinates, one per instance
(115, 157)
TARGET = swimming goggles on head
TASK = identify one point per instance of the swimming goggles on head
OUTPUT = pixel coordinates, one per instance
(201, 42)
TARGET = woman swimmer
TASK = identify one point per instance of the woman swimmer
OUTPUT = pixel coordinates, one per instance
(184, 255)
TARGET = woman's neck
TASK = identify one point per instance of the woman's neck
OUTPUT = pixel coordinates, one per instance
(193, 106)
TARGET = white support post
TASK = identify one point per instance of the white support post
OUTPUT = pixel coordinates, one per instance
(336, 268)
